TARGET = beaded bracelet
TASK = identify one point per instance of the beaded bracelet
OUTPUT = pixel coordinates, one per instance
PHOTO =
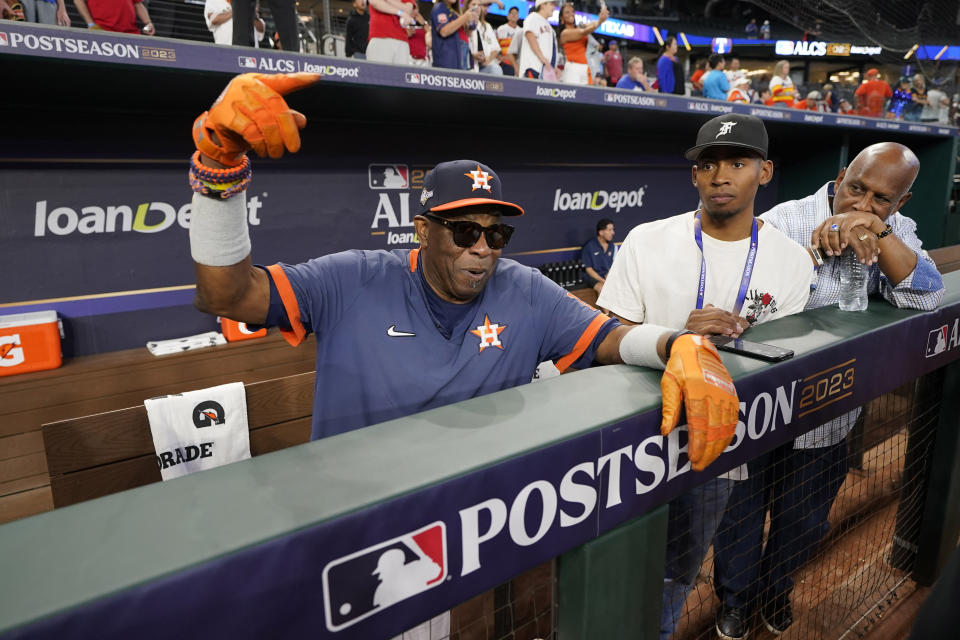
(883, 234)
(219, 183)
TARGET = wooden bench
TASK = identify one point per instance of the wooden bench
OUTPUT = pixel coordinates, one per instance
(947, 258)
(97, 455)
(106, 382)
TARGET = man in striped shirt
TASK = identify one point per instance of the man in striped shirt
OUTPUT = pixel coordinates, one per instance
(858, 211)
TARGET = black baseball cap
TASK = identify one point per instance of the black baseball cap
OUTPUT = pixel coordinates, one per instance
(463, 183)
(731, 130)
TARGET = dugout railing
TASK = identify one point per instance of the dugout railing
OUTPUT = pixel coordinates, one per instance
(287, 544)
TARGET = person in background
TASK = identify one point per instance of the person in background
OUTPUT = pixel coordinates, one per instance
(733, 70)
(751, 29)
(613, 63)
(845, 107)
(715, 84)
(872, 94)
(538, 57)
(918, 95)
(900, 100)
(573, 39)
(218, 14)
(285, 18)
(764, 97)
(389, 41)
(115, 15)
(484, 46)
(765, 30)
(358, 30)
(45, 12)
(505, 34)
(937, 107)
(513, 52)
(418, 37)
(830, 98)
(696, 80)
(669, 72)
(450, 40)
(781, 86)
(595, 59)
(635, 79)
(813, 102)
(598, 253)
(741, 91)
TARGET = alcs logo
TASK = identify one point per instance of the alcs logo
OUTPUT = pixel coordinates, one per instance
(364, 583)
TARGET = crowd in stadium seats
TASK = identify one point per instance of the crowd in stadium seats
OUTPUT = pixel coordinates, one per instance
(457, 34)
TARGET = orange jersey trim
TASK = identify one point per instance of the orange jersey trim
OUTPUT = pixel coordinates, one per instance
(414, 256)
(297, 333)
(585, 339)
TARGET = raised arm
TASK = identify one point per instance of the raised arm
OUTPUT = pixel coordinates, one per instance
(250, 114)
(452, 27)
(575, 33)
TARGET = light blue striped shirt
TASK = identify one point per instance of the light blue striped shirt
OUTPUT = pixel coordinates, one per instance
(921, 289)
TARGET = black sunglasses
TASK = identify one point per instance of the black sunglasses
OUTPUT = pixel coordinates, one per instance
(466, 233)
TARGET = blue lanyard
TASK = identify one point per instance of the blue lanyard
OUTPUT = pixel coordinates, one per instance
(747, 268)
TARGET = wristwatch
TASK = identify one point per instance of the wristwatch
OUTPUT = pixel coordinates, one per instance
(674, 336)
(817, 256)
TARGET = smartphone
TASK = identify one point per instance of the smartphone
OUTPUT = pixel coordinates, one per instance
(758, 350)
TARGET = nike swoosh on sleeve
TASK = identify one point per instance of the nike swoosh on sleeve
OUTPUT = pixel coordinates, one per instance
(393, 333)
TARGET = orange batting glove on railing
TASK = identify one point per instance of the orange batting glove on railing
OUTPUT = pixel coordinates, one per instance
(696, 376)
(252, 114)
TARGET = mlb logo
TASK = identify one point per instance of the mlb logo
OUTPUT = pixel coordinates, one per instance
(247, 62)
(608, 97)
(389, 176)
(937, 341)
(4, 40)
(412, 78)
(364, 583)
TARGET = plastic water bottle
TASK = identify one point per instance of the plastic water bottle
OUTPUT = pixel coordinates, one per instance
(853, 283)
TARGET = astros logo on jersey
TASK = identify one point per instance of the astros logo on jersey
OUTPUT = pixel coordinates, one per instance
(489, 334)
(481, 179)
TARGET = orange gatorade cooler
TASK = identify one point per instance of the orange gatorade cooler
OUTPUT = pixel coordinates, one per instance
(234, 331)
(29, 342)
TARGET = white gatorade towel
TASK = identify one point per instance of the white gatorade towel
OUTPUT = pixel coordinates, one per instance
(200, 429)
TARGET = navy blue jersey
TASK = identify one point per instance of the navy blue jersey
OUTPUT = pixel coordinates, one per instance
(446, 49)
(593, 255)
(381, 355)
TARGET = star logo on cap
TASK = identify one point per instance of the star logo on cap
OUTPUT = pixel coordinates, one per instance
(725, 128)
(481, 179)
(489, 334)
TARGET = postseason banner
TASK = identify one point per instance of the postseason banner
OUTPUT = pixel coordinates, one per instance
(383, 568)
(98, 244)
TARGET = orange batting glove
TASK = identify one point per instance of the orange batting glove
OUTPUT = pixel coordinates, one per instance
(252, 114)
(696, 375)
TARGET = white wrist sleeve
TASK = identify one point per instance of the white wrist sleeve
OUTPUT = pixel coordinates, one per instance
(218, 230)
(639, 346)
